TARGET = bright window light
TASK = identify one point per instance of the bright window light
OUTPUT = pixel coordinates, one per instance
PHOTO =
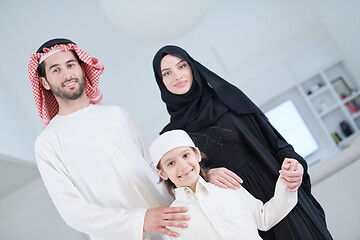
(287, 120)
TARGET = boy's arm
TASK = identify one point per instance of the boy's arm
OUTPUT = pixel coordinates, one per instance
(269, 214)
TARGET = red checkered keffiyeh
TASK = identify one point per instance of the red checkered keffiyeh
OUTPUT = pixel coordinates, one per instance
(45, 100)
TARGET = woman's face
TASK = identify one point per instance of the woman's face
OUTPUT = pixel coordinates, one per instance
(176, 74)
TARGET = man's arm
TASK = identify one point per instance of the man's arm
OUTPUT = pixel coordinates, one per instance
(158, 219)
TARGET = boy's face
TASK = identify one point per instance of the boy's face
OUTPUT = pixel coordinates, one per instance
(181, 166)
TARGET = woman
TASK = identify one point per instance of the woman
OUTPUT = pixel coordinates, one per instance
(235, 134)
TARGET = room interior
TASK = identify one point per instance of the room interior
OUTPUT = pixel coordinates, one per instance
(303, 51)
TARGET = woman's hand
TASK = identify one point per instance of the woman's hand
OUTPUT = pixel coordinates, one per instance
(224, 178)
(291, 174)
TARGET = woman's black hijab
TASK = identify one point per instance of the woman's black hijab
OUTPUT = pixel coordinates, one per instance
(208, 99)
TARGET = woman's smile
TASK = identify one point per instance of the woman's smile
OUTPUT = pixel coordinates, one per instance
(180, 84)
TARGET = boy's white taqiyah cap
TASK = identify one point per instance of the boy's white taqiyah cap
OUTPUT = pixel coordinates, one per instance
(168, 141)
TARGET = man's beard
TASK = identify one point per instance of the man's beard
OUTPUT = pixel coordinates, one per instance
(70, 95)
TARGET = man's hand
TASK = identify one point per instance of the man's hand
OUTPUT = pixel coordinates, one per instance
(292, 172)
(224, 178)
(157, 219)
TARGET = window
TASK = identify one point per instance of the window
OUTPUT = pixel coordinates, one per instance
(287, 120)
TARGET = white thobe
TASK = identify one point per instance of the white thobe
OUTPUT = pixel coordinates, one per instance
(95, 166)
(227, 214)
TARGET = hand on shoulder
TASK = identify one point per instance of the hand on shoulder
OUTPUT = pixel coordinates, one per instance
(224, 178)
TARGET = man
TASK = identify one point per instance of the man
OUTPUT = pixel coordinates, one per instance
(91, 157)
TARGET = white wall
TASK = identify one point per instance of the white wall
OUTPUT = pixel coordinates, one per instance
(342, 19)
(16, 134)
(28, 213)
(339, 196)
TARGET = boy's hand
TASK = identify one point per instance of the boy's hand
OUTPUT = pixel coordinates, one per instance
(157, 219)
(291, 174)
(224, 178)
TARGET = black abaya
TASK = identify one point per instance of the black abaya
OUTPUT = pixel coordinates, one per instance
(248, 145)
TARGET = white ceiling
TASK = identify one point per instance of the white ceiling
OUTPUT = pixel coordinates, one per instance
(237, 39)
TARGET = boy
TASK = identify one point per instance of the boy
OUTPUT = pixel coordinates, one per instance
(216, 213)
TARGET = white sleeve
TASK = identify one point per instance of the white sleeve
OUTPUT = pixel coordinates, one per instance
(81, 215)
(269, 214)
(141, 142)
